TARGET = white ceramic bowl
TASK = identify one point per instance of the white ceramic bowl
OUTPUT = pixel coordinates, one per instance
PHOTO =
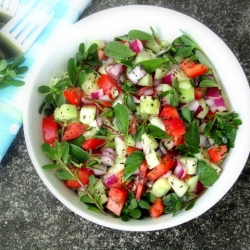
(168, 24)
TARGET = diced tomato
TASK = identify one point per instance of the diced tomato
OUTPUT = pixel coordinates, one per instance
(178, 140)
(119, 182)
(192, 69)
(73, 130)
(142, 177)
(116, 200)
(50, 130)
(130, 150)
(132, 126)
(83, 176)
(175, 127)
(165, 165)
(109, 86)
(199, 93)
(93, 143)
(157, 208)
(73, 95)
(217, 153)
(101, 54)
(169, 112)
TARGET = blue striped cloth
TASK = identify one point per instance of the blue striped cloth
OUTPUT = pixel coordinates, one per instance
(12, 99)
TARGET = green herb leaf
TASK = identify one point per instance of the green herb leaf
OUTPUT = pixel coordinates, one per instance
(50, 166)
(192, 136)
(122, 121)
(130, 102)
(78, 154)
(118, 50)
(133, 162)
(64, 174)
(3, 65)
(135, 213)
(156, 132)
(141, 35)
(153, 64)
(86, 199)
(207, 175)
(208, 83)
(186, 114)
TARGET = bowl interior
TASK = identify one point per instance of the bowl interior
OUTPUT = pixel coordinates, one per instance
(105, 25)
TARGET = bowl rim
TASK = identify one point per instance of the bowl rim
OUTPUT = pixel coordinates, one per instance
(121, 12)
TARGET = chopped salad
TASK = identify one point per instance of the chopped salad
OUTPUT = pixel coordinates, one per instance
(137, 126)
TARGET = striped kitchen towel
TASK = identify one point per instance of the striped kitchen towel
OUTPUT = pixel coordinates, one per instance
(12, 99)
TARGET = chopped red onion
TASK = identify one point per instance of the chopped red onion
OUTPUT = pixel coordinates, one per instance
(138, 145)
(136, 46)
(136, 99)
(114, 70)
(180, 170)
(199, 188)
(109, 180)
(96, 94)
(220, 104)
(162, 148)
(168, 79)
(212, 92)
(146, 91)
(165, 176)
(136, 74)
(100, 170)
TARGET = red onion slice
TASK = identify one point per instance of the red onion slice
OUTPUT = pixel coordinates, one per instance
(114, 70)
(97, 94)
(180, 170)
(109, 180)
(136, 46)
(136, 74)
(100, 170)
(168, 79)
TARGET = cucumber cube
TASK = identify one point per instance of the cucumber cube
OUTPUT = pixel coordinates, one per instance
(160, 187)
(180, 187)
(65, 112)
(87, 114)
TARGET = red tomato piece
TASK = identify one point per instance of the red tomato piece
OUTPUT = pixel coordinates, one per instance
(217, 153)
(165, 165)
(175, 127)
(73, 130)
(73, 95)
(109, 86)
(93, 143)
(83, 176)
(199, 93)
(132, 126)
(157, 208)
(101, 54)
(169, 112)
(142, 177)
(130, 150)
(192, 69)
(178, 140)
(116, 200)
(50, 130)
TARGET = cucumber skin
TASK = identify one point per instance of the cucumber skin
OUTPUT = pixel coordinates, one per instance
(65, 112)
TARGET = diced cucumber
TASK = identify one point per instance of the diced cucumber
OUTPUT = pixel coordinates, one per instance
(130, 141)
(205, 109)
(144, 55)
(168, 143)
(87, 114)
(100, 191)
(202, 155)
(160, 72)
(119, 100)
(185, 92)
(118, 166)
(65, 112)
(91, 131)
(164, 88)
(180, 187)
(139, 115)
(190, 163)
(153, 45)
(148, 141)
(120, 146)
(149, 106)
(160, 187)
(152, 159)
(90, 83)
(157, 121)
(146, 81)
(179, 75)
(192, 182)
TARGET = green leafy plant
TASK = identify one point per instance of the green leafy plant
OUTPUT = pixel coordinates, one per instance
(11, 73)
